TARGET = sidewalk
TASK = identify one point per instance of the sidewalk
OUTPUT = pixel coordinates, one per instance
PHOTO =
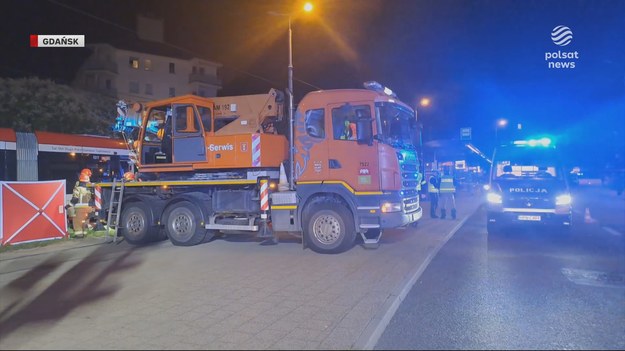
(226, 294)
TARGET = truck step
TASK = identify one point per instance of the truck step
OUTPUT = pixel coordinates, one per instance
(371, 243)
(251, 228)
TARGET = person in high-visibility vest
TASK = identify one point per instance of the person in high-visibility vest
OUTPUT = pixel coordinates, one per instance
(433, 185)
(78, 209)
(447, 192)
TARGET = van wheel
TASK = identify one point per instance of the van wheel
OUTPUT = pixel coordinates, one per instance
(136, 223)
(329, 227)
(182, 224)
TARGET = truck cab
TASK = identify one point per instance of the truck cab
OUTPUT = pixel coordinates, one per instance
(527, 186)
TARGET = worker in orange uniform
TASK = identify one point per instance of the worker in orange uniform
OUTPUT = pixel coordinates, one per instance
(79, 209)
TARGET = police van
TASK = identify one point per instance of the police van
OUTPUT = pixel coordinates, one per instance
(527, 185)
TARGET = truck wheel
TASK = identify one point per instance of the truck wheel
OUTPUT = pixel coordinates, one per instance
(329, 227)
(183, 224)
(135, 223)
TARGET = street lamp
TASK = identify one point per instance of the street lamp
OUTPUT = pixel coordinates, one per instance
(502, 122)
(308, 7)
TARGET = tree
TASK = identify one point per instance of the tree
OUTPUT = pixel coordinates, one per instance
(30, 104)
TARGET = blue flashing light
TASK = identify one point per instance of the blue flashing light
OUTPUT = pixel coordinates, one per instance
(534, 142)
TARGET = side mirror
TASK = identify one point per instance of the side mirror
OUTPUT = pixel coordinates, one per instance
(364, 131)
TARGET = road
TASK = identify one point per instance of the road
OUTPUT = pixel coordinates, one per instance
(525, 289)
(444, 284)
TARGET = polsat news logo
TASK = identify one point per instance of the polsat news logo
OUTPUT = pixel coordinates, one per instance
(57, 41)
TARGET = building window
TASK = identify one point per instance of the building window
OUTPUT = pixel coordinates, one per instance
(134, 87)
(147, 64)
(202, 70)
(134, 62)
(108, 84)
(172, 67)
(172, 92)
(194, 70)
(148, 89)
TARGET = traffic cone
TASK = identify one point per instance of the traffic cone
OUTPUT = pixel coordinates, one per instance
(283, 185)
(587, 217)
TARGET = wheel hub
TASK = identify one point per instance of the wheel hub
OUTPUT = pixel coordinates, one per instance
(327, 229)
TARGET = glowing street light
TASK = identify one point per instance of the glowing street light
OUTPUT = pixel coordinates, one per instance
(502, 122)
(308, 7)
(425, 102)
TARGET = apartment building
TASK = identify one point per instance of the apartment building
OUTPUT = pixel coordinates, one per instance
(143, 67)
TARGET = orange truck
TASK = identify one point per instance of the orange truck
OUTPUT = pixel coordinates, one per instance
(345, 167)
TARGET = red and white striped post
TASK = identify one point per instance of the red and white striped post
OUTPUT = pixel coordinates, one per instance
(98, 198)
(264, 197)
(265, 231)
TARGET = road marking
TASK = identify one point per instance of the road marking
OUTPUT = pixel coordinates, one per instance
(612, 231)
(595, 278)
(394, 302)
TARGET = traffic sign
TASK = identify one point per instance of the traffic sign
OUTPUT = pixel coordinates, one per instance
(465, 133)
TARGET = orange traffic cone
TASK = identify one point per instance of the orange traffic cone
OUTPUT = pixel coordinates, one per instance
(587, 217)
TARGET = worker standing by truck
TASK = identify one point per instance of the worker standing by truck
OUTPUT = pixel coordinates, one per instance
(447, 191)
(78, 209)
(433, 189)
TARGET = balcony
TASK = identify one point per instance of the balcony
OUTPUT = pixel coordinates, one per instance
(204, 78)
(100, 65)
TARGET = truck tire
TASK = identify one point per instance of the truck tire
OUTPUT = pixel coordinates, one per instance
(182, 224)
(135, 223)
(329, 227)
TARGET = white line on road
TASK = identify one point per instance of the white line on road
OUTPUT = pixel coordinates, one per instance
(399, 298)
(612, 231)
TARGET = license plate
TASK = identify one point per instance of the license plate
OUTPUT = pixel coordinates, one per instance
(529, 218)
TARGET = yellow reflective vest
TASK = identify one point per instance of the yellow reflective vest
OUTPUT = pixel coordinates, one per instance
(447, 185)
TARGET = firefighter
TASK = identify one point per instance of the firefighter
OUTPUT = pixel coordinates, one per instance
(78, 209)
(129, 176)
(433, 189)
(447, 190)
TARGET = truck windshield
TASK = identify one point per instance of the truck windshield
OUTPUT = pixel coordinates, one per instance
(397, 125)
(525, 163)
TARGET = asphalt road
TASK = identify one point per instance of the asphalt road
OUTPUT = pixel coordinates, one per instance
(527, 289)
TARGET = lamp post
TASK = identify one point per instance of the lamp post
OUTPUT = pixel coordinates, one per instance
(502, 122)
(307, 8)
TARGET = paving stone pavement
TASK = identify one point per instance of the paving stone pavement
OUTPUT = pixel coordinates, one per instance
(229, 293)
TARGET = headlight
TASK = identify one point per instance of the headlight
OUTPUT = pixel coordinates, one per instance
(493, 198)
(563, 200)
(390, 207)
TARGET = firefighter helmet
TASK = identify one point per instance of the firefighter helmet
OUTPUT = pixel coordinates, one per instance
(129, 176)
(83, 178)
(86, 171)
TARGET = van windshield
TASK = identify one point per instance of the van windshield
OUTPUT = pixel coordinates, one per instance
(523, 162)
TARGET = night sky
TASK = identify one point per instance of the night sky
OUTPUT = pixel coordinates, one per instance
(478, 61)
